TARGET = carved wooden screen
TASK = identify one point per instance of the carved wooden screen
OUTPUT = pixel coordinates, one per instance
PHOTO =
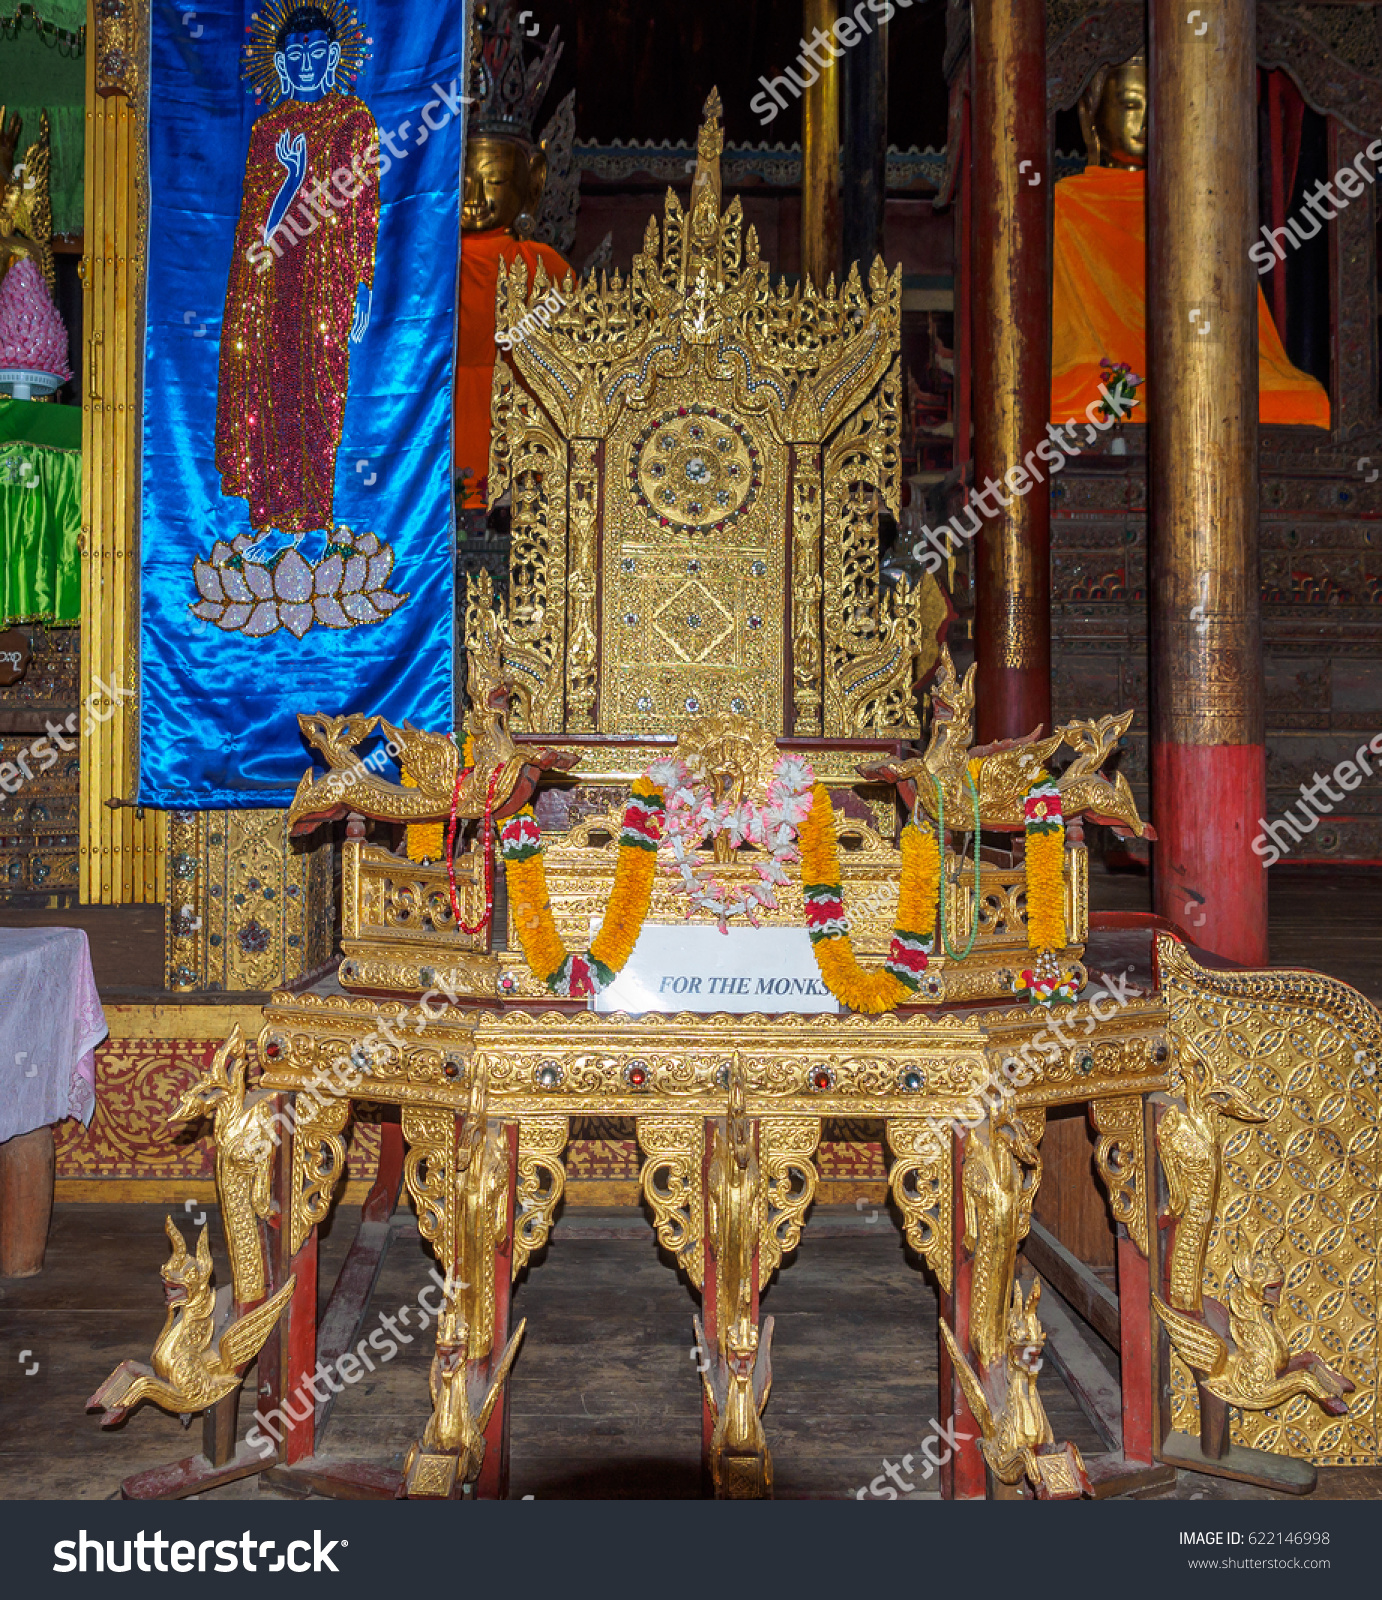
(698, 459)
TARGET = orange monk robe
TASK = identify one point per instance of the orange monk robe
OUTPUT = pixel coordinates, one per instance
(1099, 305)
(481, 254)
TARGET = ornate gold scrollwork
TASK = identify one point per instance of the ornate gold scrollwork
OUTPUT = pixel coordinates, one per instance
(244, 1158)
(429, 1133)
(785, 1148)
(671, 1182)
(1121, 1159)
(1002, 1171)
(806, 590)
(582, 636)
(541, 1181)
(922, 1183)
(318, 1161)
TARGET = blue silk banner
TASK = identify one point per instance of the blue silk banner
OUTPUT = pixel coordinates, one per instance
(305, 170)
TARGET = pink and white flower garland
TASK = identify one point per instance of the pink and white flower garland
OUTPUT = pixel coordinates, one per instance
(692, 815)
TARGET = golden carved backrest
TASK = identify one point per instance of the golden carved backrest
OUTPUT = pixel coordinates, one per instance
(697, 460)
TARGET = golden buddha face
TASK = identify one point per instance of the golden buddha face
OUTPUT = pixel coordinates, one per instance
(504, 179)
(1113, 116)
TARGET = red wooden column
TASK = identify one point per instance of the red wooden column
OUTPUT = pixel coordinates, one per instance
(1011, 396)
(963, 1475)
(493, 1482)
(1208, 754)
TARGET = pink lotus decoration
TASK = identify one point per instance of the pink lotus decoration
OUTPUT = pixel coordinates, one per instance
(32, 337)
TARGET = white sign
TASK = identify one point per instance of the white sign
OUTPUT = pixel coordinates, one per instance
(695, 967)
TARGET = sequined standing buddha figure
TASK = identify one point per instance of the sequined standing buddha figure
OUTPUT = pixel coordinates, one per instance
(301, 276)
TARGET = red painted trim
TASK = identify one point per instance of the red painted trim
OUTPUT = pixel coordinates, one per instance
(493, 1482)
(299, 1441)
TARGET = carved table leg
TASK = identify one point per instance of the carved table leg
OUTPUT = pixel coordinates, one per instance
(735, 1354)
(462, 1172)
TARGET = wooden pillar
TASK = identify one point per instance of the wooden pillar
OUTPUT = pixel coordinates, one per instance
(26, 1202)
(820, 147)
(1208, 757)
(1011, 328)
(865, 169)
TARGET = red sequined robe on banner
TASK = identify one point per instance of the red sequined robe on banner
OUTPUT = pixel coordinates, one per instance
(285, 337)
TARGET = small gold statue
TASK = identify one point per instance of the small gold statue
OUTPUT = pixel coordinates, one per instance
(1017, 1441)
(26, 218)
(500, 775)
(187, 1374)
(1237, 1351)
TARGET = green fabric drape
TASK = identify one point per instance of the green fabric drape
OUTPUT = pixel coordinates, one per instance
(41, 73)
(40, 512)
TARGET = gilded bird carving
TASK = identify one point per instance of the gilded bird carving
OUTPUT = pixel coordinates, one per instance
(1238, 1352)
(1017, 1437)
(243, 1135)
(1190, 1141)
(189, 1374)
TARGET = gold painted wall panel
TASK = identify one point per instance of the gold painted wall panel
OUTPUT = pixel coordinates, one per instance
(1299, 1045)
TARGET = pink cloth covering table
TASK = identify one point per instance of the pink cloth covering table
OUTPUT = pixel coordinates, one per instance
(50, 1024)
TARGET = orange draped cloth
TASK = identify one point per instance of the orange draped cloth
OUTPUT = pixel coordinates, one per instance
(1099, 305)
(481, 254)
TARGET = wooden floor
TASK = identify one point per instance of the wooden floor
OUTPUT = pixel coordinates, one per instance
(604, 1393)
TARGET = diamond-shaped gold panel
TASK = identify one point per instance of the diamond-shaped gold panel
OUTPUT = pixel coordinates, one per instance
(693, 624)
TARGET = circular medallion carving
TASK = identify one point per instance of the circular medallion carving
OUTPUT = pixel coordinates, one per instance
(696, 468)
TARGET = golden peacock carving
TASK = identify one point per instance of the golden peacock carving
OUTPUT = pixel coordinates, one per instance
(189, 1373)
(1008, 769)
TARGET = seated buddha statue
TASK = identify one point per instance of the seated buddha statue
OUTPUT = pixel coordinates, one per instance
(1099, 278)
(505, 173)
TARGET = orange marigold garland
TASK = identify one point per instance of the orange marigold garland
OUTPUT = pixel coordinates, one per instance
(1045, 821)
(900, 975)
(564, 972)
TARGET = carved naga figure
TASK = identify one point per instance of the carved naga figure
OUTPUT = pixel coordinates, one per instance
(1237, 1351)
(244, 1157)
(1005, 771)
(1190, 1142)
(188, 1375)
(1017, 1441)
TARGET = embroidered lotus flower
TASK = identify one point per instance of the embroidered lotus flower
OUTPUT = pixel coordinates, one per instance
(347, 588)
